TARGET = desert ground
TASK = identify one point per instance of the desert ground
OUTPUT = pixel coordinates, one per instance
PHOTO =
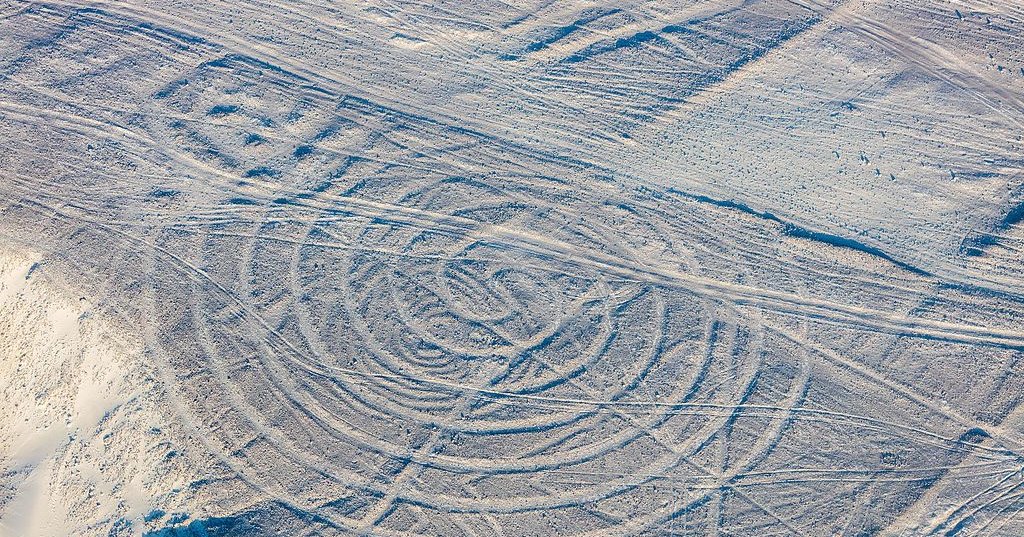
(513, 268)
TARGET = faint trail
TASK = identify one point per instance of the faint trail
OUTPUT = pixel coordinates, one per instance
(16, 10)
(930, 57)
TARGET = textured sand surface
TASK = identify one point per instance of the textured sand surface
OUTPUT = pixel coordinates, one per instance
(651, 268)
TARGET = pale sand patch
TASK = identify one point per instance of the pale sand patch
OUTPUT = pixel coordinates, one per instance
(76, 428)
